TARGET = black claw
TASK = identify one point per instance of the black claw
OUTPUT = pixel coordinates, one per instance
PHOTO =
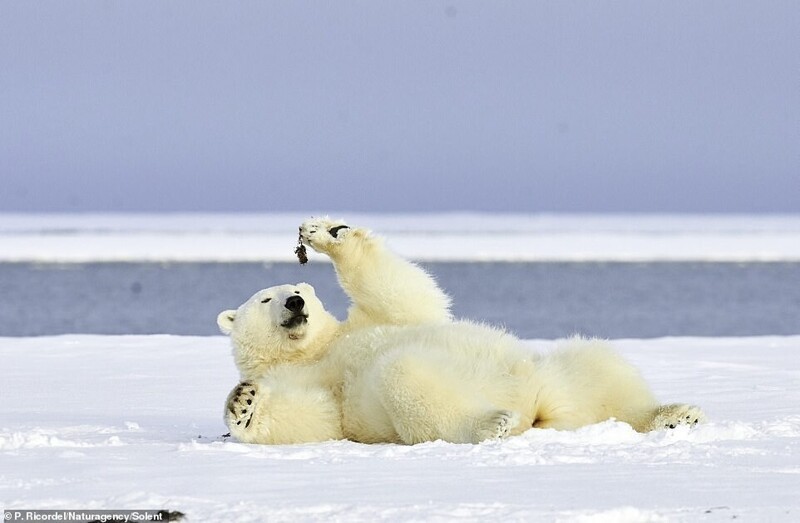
(239, 422)
(246, 425)
(252, 393)
(671, 426)
(249, 402)
(244, 411)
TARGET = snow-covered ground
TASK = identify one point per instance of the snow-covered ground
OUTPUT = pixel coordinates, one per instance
(434, 237)
(135, 422)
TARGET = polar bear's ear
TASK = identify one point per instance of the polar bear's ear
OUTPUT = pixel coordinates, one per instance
(225, 321)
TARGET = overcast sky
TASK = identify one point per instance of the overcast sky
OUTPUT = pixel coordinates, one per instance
(524, 106)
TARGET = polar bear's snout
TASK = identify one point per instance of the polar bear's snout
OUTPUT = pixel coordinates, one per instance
(295, 305)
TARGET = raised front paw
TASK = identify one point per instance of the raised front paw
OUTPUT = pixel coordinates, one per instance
(322, 233)
(240, 407)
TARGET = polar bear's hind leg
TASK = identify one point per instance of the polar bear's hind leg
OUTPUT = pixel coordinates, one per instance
(426, 401)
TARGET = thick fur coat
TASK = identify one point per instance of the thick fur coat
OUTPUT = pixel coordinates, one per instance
(400, 369)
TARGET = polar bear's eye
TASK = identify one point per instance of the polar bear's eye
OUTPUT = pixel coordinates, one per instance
(265, 300)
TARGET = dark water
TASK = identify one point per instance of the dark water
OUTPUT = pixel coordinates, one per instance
(534, 300)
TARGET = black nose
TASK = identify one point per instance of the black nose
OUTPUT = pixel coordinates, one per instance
(295, 303)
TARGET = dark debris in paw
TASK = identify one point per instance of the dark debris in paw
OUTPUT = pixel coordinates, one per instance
(300, 251)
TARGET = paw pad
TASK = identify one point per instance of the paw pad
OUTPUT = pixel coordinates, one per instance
(240, 408)
(334, 231)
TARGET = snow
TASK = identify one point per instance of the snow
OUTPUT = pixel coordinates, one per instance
(114, 422)
(67, 238)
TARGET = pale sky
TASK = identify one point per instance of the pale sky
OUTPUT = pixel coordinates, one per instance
(523, 106)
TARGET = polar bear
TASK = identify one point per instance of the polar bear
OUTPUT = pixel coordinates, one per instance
(399, 369)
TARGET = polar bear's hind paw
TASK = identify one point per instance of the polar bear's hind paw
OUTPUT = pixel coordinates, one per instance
(671, 416)
(241, 405)
(497, 424)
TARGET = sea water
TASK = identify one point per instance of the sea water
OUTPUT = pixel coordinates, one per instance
(533, 300)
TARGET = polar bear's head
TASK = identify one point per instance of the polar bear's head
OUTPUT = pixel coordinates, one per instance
(282, 324)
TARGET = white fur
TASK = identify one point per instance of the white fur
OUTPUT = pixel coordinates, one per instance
(259, 341)
(399, 369)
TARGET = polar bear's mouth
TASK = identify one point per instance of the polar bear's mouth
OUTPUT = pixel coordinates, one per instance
(295, 321)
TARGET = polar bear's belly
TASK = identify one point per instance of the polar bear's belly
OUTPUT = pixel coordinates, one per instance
(461, 355)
